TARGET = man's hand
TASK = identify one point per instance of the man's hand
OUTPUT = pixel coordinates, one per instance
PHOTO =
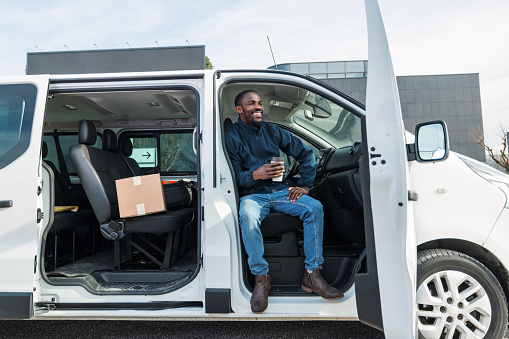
(269, 171)
(296, 193)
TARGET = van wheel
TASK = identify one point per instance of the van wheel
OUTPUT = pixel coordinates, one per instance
(458, 297)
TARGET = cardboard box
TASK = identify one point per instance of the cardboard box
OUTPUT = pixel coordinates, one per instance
(140, 195)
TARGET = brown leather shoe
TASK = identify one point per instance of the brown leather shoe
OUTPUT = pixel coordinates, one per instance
(314, 282)
(260, 296)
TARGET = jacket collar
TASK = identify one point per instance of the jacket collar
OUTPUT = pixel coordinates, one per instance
(249, 127)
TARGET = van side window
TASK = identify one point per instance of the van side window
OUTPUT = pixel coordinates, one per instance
(66, 140)
(17, 104)
(177, 153)
(165, 152)
(145, 152)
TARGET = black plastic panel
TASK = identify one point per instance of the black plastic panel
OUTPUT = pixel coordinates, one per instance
(16, 305)
(367, 292)
(218, 300)
(343, 159)
(286, 274)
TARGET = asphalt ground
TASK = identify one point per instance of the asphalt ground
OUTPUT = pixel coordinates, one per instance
(186, 329)
(181, 329)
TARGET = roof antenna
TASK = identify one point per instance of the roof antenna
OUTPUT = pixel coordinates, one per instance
(187, 42)
(67, 47)
(127, 43)
(96, 46)
(272, 53)
(157, 44)
(38, 48)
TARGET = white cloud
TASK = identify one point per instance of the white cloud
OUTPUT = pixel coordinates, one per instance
(426, 36)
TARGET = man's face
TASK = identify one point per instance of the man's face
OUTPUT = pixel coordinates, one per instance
(251, 109)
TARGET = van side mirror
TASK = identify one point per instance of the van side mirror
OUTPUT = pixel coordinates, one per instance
(431, 141)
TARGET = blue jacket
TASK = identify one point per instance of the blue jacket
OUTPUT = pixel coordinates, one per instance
(249, 148)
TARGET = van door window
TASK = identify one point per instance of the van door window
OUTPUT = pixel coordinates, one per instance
(145, 152)
(177, 153)
(167, 152)
(329, 121)
(66, 141)
(17, 104)
(291, 168)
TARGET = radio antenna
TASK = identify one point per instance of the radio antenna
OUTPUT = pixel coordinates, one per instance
(272, 52)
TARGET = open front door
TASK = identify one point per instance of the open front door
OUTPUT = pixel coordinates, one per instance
(386, 291)
(22, 104)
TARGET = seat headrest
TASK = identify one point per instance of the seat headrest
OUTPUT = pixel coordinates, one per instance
(125, 146)
(44, 149)
(87, 134)
(109, 140)
(227, 124)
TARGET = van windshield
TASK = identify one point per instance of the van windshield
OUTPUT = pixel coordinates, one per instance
(329, 121)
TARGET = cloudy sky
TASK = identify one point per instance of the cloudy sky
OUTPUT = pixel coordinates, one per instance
(426, 36)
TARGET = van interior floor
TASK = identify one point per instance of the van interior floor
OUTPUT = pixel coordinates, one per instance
(98, 273)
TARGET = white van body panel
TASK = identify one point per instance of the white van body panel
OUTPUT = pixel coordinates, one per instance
(497, 240)
(393, 221)
(217, 235)
(19, 229)
(473, 204)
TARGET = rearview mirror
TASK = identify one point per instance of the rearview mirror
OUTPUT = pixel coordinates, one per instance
(320, 109)
(431, 141)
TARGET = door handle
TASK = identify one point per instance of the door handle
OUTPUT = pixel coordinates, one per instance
(5, 203)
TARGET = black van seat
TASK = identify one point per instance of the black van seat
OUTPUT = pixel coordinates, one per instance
(125, 146)
(65, 197)
(98, 169)
(116, 161)
(277, 223)
(64, 220)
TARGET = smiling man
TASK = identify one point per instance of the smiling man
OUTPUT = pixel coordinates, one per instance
(251, 143)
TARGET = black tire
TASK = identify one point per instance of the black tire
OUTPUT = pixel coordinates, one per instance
(453, 265)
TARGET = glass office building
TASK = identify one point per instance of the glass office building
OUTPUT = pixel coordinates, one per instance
(454, 98)
(328, 70)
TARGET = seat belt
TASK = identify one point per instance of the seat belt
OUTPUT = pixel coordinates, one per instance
(128, 165)
(63, 169)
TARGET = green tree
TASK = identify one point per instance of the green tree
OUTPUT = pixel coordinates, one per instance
(208, 64)
(176, 151)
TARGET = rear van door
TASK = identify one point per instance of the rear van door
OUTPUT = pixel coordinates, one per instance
(22, 105)
(385, 291)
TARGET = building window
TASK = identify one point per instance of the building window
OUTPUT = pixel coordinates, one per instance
(354, 67)
(300, 68)
(354, 75)
(317, 67)
(337, 75)
(336, 67)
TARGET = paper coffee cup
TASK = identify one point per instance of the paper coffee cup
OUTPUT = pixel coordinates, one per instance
(277, 159)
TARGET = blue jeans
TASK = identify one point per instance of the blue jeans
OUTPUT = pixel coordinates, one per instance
(255, 207)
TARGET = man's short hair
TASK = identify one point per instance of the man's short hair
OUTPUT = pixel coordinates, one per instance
(240, 96)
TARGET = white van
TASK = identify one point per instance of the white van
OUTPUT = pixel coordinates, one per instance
(414, 234)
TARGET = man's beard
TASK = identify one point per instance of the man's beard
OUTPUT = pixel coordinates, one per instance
(256, 123)
(251, 119)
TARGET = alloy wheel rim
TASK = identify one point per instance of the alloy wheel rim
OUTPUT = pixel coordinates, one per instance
(452, 305)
